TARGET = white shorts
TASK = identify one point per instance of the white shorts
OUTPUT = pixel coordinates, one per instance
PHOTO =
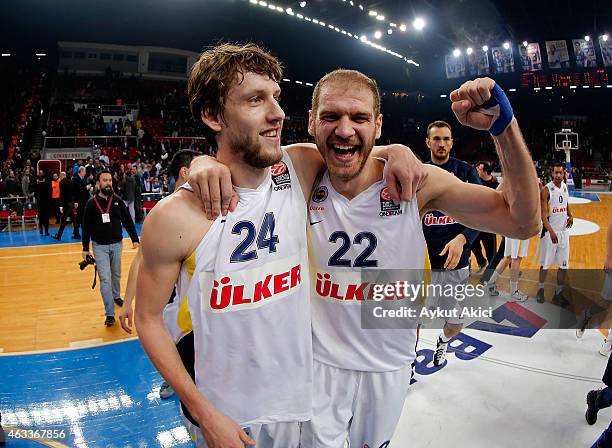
(436, 297)
(516, 248)
(274, 435)
(555, 254)
(361, 407)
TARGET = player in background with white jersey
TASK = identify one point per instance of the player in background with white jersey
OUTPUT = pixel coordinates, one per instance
(554, 243)
(361, 376)
(249, 294)
(514, 252)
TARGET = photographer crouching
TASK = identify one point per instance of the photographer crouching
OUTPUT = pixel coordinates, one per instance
(103, 218)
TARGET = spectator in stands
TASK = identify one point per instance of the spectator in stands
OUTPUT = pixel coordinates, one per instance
(104, 158)
(109, 127)
(42, 193)
(89, 167)
(127, 128)
(76, 166)
(98, 167)
(125, 149)
(66, 206)
(103, 218)
(131, 190)
(12, 185)
(91, 184)
(155, 185)
(118, 181)
(27, 184)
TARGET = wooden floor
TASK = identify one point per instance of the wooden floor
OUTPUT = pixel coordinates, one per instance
(46, 302)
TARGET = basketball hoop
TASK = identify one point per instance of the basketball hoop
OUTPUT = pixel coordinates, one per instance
(567, 146)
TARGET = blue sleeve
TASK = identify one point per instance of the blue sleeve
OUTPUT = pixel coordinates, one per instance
(472, 176)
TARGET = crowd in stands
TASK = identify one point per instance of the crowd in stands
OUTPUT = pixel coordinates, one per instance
(22, 91)
(154, 122)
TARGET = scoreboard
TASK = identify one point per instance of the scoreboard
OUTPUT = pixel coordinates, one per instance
(565, 79)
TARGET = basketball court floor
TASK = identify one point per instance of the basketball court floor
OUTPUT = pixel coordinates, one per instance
(512, 380)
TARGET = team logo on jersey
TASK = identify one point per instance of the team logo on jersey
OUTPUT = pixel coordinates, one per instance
(280, 176)
(387, 206)
(251, 289)
(320, 194)
(432, 220)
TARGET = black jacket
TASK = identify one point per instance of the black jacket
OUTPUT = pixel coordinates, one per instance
(79, 190)
(106, 233)
(66, 195)
(42, 193)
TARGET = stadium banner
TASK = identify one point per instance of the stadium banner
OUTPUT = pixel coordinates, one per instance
(606, 51)
(68, 153)
(503, 60)
(558, 56)
(455, 66)
(584, 53)
(531, 58)
(478, 63)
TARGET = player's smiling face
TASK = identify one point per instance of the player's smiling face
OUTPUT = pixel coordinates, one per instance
(558, 175)
(345, 127)
(253, 120)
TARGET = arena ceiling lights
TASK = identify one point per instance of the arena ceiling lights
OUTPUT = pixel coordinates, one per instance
(418, 23)
(332, 27)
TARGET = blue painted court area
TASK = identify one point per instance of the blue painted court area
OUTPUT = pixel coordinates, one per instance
(106, 396)
(585, 195)
(34, 238)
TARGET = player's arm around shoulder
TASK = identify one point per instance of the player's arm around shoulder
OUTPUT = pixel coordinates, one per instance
(405, 174)
(307, 163)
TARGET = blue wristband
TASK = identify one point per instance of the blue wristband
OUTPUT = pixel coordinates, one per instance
(498, 106)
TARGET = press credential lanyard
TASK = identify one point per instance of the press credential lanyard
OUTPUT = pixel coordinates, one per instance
(105, 216)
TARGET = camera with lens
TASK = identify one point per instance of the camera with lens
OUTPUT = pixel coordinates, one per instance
(89, 259)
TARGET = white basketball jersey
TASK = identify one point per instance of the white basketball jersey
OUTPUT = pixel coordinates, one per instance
(557, 206)
(348, 237)
(250, 307)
